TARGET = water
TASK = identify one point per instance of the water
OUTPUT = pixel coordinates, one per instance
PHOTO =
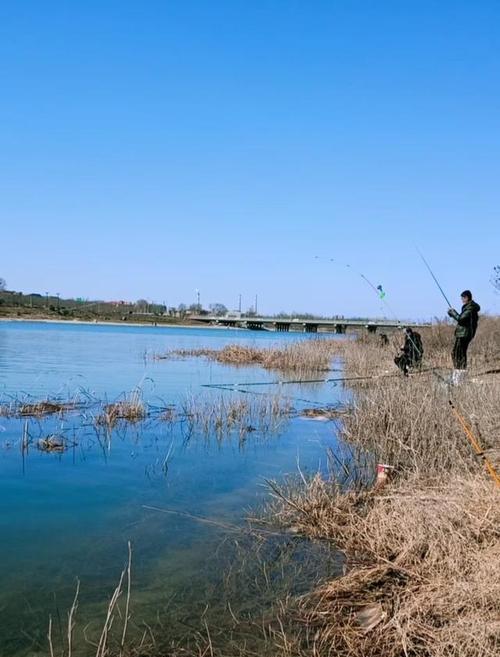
(71, 515)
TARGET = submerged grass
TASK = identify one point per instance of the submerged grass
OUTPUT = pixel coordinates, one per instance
(37, 409)
(221, 416)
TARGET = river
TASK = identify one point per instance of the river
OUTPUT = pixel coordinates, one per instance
(71, 515)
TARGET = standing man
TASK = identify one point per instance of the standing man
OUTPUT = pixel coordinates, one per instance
(467, 321)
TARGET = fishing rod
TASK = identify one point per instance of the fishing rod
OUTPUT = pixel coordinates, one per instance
(476, 445)
(229, 386)
(433, 276)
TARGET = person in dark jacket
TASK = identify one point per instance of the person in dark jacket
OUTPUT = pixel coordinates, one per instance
(465, 331)
(412, 351)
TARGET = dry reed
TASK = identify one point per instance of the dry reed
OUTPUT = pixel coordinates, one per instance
(222, 416)
(131, 409)
(304, 356)
(38, 409)
(421, 552)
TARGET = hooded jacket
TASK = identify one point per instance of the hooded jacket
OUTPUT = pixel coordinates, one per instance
(466, 320)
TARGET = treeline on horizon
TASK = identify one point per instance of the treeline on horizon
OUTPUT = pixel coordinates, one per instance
(54, 304)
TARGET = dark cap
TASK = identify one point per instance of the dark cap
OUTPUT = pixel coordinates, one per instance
(467, 293)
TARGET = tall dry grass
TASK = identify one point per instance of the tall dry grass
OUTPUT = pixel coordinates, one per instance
(304, 356)
(420, 573)
(422, 552)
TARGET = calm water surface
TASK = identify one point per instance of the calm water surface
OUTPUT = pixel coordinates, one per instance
(71, 515)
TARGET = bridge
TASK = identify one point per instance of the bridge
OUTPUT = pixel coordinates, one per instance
(302, 325)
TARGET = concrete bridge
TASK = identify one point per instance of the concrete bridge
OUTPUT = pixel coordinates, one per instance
(302, 325)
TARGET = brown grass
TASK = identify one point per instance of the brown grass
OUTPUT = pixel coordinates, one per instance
(36, 409)
(422, 552)
(420, 570)
(131, 409)
(303, 356)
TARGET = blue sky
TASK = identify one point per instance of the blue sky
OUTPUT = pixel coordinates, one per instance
(148, 149)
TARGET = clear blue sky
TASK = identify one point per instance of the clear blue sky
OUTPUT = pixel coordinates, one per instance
(151, 148)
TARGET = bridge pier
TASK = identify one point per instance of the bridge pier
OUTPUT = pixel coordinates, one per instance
(340, 329)
(372, 328)
(310, 328)
(282, 327)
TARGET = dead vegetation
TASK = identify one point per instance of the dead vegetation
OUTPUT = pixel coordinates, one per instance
(323, 414)
(420, 571)
(121, 410)
(304, 356)
(37, 409)
(422, 551)
(222, 416)
(130, 409)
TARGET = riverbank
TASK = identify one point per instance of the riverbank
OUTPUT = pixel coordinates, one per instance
(102, 322)
(421, 542)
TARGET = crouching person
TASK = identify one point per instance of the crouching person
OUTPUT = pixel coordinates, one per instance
(411, 352)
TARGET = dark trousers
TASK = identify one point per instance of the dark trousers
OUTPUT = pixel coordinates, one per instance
(459, 353)
(402, 362)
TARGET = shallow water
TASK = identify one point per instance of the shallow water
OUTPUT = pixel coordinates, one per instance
(71, 515)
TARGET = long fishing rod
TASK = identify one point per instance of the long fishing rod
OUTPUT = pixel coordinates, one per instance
(245, 384)
(476, 445)
(433, 277)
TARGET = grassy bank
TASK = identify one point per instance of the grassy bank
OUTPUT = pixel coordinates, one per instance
(422, 551)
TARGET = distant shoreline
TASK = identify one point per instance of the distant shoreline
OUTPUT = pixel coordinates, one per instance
(101, 322)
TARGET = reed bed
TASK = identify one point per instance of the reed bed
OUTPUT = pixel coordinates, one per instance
(304, 356)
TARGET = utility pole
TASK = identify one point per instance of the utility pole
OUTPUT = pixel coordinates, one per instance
(58, 300)
(47, 300)
(239, 303)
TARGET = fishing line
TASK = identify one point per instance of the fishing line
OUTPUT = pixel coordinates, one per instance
(433, 276)
(378, 289)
